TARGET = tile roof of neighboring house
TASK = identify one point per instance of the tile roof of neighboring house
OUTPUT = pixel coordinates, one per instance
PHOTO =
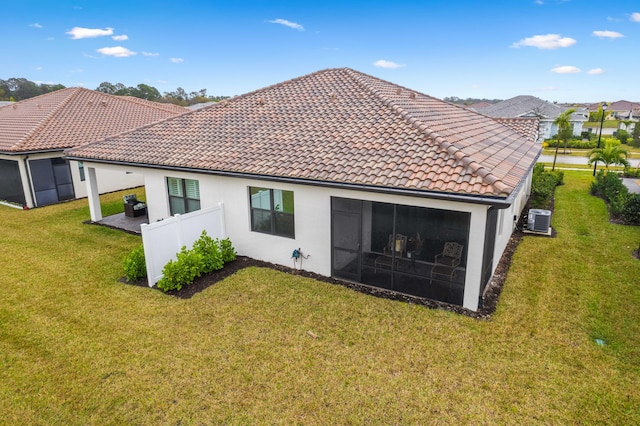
(70, 117)
(479, 105)
(524, 125)
(621, 106)
(526, 106)
(336, 126)
(175, 109)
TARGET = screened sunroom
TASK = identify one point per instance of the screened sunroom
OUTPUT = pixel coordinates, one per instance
(414, 250)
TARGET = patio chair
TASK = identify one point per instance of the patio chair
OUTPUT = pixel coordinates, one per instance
(446, 262)
(133, 207)
(395, 249)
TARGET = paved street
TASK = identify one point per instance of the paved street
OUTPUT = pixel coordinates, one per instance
(569, 159)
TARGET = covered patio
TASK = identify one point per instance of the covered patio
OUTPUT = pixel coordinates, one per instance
(124, 223)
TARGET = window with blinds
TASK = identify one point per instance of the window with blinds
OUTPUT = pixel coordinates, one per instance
(184, 195)
(272, 211)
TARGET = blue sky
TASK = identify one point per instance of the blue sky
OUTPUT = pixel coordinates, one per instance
(558, 50)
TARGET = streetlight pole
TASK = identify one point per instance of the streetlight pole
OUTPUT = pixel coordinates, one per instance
(604, 110)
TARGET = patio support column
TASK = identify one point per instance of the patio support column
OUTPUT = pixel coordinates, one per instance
(474, 258)
(93, 196)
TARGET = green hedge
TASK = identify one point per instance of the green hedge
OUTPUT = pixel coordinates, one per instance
(543, 186)
(207, 255)
(621, 203)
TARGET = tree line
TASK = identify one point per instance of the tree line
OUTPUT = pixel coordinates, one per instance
(18, 89)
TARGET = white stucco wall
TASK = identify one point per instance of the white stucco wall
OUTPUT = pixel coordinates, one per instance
(109, 180)
(312, 219)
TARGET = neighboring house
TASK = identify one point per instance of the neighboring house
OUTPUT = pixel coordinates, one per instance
(35, 132)
(367, 178)
(619, 110)
(530, 106)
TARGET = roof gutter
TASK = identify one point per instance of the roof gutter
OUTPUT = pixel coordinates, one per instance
(497, 202)
(40, 151)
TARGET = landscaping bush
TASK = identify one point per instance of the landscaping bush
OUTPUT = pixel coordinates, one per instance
(631, 209)
(623, 136)
(228, 252)
(207, 255)
(176, 274)
(134, 265)
(573, 143)
(621, 203)
(631, 173)
(211, 252)
(543, 186)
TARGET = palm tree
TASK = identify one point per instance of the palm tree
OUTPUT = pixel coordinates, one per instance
(564, 131)
(612, 153)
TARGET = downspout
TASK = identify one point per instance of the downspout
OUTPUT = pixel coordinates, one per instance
(29, 182)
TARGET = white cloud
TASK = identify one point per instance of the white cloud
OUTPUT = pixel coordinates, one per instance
(286, 23)
(176, 60)
(35, 25)
(149, 54)
(596, 71)
(635, 17)
(387, 64)
(566, 69)
(79, 32)
(49, 39)
(540, 2)
(38, 68)
(122, 37)
(117, 51)
(548, 41)
(607, 34)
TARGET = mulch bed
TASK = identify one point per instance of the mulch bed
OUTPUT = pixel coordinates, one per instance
(489, 299)
(489, 303)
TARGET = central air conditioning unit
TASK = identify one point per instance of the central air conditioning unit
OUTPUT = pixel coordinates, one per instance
(539, 220)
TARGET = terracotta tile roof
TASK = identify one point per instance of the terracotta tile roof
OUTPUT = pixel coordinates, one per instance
(525, 126)
(70, 117)
(336, 126)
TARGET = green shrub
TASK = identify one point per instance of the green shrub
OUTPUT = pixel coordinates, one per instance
(632, 173)
(228, 252)
(134, 264)
(631, 210)
(210, 251)
(621, 203)
(608, 186)
(623, 135)
(543, 186)
(573, 143)
(181, 272)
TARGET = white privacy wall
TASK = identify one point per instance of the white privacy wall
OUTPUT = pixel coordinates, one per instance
(163, 240)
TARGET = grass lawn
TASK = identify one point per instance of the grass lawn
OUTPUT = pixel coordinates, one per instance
(79, 348)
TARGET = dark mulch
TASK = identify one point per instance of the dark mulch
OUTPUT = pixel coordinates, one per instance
(489, 298)
(489, 302)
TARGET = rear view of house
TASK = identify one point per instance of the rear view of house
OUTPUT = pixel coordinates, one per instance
(374, 182)
(34, 133)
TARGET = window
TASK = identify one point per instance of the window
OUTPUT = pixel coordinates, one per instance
(184, 195)
(272, 211)
(81, 170)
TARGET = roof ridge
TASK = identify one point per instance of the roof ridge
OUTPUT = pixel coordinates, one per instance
(50, 115)
(148, 103)
(450, 148)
